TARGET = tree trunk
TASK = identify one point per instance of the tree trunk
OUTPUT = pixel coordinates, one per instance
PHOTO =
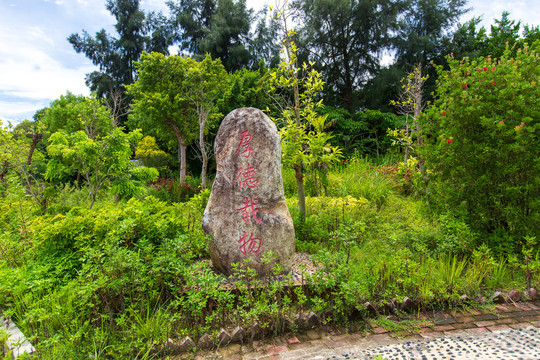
(407, 134)
(183, 160)
(36, 138)
(181, 150)
(93, 196)
(301, 192)
(3, 172)
(204, 155)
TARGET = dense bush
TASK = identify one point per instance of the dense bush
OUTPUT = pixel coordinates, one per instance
(88, 273)
(117, 281)
(364, 132)
(481, 145)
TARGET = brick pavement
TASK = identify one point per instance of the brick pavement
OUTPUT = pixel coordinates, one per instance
(319, 342)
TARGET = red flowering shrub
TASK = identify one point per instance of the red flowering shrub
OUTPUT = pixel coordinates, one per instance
(492, 178)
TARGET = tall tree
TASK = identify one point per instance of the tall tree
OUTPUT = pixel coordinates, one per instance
(264, 42)
(205, 82)
(295, 88)
(222, 29)
(411, 102)
(17, 147)
(192, 20)
(116, 56)
(160, 106)
(228, 35)
(346, 37)
(426, 27)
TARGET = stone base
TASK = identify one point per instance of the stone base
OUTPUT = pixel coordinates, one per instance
(301, 268)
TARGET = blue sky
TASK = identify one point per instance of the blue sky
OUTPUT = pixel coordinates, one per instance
(37, 64)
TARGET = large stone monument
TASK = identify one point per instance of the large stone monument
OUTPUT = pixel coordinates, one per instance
(247, 216)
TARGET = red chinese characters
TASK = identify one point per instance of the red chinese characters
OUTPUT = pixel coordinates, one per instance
(250, 209)
(245, 144)
(246, 178)
(253, 244)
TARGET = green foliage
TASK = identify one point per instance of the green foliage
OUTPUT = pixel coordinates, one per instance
(245, 89)
(344, 37)
(226, 37)
(471, 41)
(363, 131)
(483, 140)
(98, 281)
(172, 190)
(325, 214)
(117, 281)
(175, 99)
(99, 162)
(361, 179)
(193, 18)
(409, 176)
(148, 152)
(19, 154)
(304, 143)
(71, 113)
(204, 85)
(5, 352)
(137, 32)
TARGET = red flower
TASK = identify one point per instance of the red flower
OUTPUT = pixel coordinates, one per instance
(464, 86)
(494, 83)
(494, 68)
(485, 68)
(450, 140)
(501, 122)
(443, 113)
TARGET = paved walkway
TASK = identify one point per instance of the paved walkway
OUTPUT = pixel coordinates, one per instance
(501, 332)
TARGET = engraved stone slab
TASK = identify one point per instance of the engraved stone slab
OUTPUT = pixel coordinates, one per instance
(246, 215)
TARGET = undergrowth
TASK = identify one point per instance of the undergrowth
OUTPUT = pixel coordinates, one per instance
(119, 280)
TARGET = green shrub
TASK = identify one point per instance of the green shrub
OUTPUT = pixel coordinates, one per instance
(360, 179)
(481, 144)
(325, 214)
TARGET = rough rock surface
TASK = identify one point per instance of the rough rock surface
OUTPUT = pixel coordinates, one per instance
(247, 216)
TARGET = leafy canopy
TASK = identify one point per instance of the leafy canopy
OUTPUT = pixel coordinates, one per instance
(482, 143)
(100, 162)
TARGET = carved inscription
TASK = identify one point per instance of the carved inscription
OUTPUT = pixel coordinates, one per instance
(253, 244)
(246, 179)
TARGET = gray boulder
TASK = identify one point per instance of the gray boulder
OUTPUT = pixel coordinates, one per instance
(246, 215)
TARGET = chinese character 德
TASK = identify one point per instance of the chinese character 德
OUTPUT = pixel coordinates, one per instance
(250, 208)
(245, 144)
(251, 244)
(246, 178)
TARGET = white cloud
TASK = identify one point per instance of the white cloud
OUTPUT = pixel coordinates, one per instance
(525, 10)
(33, 71)
(33, 74)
